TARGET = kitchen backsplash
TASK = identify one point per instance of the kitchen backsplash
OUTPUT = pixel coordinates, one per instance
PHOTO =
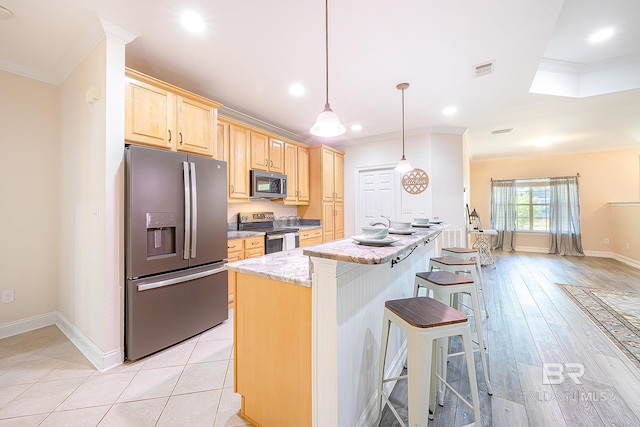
(259, 206)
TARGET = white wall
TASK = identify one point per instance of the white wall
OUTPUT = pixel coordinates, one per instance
(91, 197)
(439, 155)
(29, 191)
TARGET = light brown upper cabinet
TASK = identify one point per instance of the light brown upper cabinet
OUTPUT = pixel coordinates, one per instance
(161, 115)
(333, 175)
(326, 200)
(296, 167)
(267, 154)
(236, 147)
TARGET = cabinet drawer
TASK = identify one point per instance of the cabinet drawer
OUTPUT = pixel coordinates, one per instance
(253, 242)
(235, 245)
(310, 234)
(251, 253)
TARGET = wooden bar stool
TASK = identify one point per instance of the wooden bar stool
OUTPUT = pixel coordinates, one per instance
(469, 254)
(424, 321)
(445, 285)
(456, 264)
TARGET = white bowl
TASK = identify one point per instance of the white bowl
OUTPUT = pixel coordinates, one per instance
(399, 225)
(372, 232)
(421, 220)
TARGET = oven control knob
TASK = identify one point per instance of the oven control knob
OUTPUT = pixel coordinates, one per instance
(244, 218)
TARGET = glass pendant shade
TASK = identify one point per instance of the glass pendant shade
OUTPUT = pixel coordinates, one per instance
(327, 124)
(403, 166)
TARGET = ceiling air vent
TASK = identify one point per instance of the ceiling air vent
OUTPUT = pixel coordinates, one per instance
(499, 131)
(483, 69)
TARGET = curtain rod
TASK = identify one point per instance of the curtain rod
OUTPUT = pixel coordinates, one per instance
(540, 177)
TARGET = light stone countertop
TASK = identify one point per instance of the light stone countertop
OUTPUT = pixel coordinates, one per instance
(242, 234)
(293, 266)
(288, 266)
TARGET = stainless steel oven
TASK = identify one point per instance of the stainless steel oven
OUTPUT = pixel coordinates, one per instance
(276, 239)
(277, 242)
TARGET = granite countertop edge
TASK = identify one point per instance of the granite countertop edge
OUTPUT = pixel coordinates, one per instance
(293, 266)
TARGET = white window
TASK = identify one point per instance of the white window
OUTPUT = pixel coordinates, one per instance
(532, 205)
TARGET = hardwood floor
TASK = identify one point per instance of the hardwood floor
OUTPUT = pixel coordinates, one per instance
(533, 323)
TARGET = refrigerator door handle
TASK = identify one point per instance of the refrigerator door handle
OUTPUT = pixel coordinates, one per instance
(194, 210)
(176, 280)
(187, 210)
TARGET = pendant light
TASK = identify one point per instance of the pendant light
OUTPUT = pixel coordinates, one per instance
(403, 165)
(327, 124)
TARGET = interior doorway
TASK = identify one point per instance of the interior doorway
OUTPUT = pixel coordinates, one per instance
(377, 195)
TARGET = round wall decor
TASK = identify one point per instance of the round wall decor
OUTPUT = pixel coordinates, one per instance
(415, 181)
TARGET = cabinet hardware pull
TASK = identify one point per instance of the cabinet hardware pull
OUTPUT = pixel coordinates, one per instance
(271, 163)
(232, 189)
(169, 135)
(266, 162)
(180, 133)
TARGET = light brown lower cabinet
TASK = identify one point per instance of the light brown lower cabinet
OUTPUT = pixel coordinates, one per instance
(242, 248)
(311, 236)
(272, 351)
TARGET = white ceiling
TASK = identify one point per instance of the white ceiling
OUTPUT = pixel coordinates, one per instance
(251, 52)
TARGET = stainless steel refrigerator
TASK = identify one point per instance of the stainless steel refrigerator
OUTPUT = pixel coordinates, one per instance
(175, 248)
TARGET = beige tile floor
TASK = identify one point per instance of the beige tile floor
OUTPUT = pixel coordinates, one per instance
(45, 381)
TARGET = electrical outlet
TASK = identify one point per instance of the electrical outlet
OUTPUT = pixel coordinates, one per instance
(7, 296)
(627, 245)
(406, 210)
(606, 240)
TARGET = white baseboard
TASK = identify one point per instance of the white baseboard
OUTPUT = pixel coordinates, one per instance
(626, 260)
(599, 254)
(531, 249)
(100, 360)
(26, 325)
(370, 414)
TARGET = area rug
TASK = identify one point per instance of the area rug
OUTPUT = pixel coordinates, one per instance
(616, 313)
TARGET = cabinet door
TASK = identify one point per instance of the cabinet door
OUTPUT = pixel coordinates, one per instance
(328, 180)
(291, 170)
(221, 147)
(149, 115)
(238, 164)
(303, 175)
(259, 151)
(338, 174)
(235, 253)
(196, 131)
(276, 155)
(328, 221)
(338, 223)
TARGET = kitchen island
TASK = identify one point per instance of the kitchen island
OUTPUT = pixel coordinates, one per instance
(307, 326)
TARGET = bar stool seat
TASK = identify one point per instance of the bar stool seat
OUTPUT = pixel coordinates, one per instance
(457, 261)
(445, 285)
(424, 321)
(467, 253)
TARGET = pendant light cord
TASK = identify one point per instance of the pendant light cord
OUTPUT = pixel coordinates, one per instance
(326, 51)
(403, 158)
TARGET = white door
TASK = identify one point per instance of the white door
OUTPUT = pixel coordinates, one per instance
(377, 195)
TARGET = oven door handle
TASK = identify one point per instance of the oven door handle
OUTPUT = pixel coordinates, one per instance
(280, 236)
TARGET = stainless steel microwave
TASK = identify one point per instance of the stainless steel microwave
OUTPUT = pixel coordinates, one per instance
(268, 185)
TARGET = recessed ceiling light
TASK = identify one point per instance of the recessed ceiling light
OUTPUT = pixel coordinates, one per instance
(192, 22)
(296, 89)
(356, 127)
(450, 111)
(542, 142)
(601, 35)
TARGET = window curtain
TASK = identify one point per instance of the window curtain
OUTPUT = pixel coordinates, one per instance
(564, 216)
(503, 213)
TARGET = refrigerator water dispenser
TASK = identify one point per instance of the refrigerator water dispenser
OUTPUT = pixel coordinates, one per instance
(161, 234)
